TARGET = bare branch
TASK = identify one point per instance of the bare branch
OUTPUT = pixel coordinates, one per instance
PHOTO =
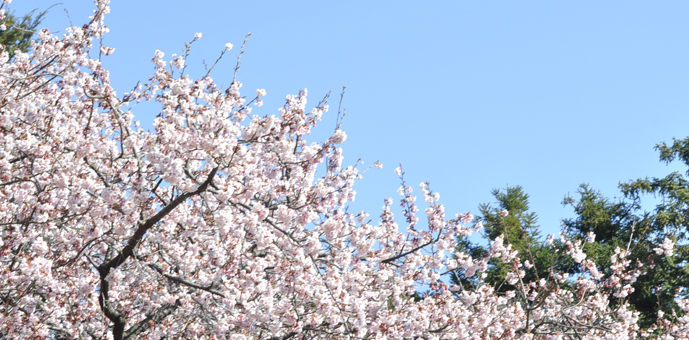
(154, 318)
(213, 288)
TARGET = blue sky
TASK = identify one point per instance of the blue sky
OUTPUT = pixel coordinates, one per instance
(469, 96)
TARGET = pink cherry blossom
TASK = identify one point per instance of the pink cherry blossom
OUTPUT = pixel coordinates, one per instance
(665, 248)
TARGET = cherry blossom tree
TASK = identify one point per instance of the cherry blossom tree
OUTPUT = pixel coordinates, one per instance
(220, 224)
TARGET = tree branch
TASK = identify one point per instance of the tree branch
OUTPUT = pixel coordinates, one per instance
(152, 319)
(213, 288)
(148, 224)
(104, 269)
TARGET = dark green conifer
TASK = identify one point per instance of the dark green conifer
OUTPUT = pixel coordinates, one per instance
(624, 224)
(19, 31)
(520, 229)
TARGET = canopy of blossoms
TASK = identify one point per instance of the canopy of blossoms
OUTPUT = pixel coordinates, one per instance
(220, 224)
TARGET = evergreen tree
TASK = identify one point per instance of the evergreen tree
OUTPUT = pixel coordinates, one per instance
(19, 31)
(623, 224)
(520, 229)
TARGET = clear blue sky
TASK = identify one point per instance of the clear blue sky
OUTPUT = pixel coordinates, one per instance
(470, 96)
